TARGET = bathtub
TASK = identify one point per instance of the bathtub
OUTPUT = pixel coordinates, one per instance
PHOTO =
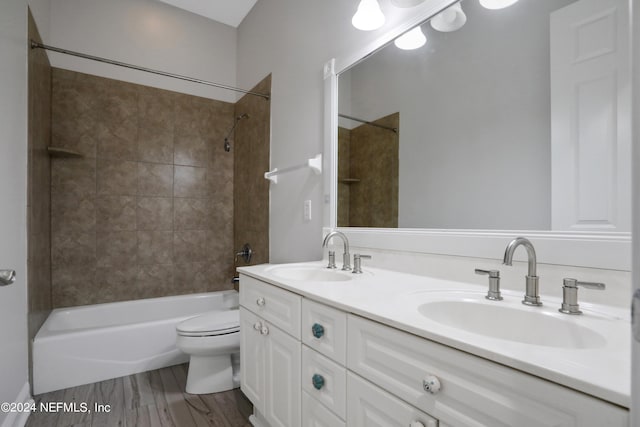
(82, 345)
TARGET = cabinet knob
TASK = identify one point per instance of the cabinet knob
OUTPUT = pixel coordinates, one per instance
(257, 326)
(431, 384)
(261, 302)
(318, 381)
(416, 424)
(264, 330)
(317, 330)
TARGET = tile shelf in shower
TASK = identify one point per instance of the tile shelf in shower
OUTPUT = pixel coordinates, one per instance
(349, 180)
(63, 152)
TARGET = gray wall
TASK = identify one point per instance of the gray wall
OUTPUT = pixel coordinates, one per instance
(475, 119)
(293, 39)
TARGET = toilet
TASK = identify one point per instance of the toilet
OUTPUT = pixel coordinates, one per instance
(212, 341)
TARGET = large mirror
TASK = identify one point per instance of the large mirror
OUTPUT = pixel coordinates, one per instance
(505, 119)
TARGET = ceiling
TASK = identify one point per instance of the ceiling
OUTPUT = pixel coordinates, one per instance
(230, 12)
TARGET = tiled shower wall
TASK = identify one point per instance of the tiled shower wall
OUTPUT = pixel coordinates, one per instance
(372, 189)
(251, 149)
(39, 201)
(147, 209)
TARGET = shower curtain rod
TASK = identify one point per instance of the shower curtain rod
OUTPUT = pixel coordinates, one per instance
(394, 130)
(35, 45)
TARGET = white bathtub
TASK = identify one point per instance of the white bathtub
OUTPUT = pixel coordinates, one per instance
(82, 345)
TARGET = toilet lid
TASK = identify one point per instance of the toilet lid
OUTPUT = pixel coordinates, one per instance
(212, 323)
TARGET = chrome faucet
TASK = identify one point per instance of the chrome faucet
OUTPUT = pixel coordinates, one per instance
(532, 296)
(346, 257)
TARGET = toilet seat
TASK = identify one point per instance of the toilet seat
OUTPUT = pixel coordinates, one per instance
(210, 324)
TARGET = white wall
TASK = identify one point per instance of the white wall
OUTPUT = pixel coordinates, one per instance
(475, 119)
(293, 39)
(13, 193)
(149, 34)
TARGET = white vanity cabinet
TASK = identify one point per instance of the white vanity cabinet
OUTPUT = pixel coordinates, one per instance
(270, 351)
(308, 364)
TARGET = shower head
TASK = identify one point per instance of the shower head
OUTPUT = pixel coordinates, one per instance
(227, 144)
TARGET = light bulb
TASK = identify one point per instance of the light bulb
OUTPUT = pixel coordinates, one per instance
(406, 3)
(497, 4)
(368, 16)
(411, 40)
(450, 19)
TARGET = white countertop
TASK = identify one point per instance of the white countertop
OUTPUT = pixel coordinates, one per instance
(391, 298)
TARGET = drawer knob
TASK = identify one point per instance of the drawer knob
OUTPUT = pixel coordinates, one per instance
(261, 302)
(431, 384)
(317, 330)
(318, 381)
(264, 330)
(257, 326)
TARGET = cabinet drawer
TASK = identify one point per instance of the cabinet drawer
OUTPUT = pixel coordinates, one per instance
(316, 415)
(277, 306)
(325, 380)
(474, 391)
(325, 330)
(370, 406)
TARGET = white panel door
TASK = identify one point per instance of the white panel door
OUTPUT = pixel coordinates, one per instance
(13, 201)
(252, 359)
(283, 393)
(591, 117)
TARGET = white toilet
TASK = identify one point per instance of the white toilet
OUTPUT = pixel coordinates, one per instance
(213, 342)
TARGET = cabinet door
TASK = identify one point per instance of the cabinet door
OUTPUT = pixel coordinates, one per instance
(283, 393)
(252, 359)
(370, 406)
(317, 415)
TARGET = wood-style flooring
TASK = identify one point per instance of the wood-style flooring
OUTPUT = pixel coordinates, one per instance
(149, 399)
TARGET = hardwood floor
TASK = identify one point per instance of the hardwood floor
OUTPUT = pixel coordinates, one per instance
(149, 399)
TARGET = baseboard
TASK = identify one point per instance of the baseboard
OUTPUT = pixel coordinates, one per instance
(257, 421)
(19, 419)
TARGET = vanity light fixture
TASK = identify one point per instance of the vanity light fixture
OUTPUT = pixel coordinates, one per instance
(497, 4)
(369, 16)
(450, 19)
(411, 40)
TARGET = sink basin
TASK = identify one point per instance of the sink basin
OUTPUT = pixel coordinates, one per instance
(512, 323)
(310, 273)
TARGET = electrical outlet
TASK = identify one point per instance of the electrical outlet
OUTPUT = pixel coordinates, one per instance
(307, 210)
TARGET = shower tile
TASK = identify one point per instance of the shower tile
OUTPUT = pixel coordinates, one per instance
(192, 115)
(219, 160)
(118, 140)
(191, 214)
(155, 180)
(155, 281)
(70, 212)
(191, 150)
(189, 246)
(73, 176)
(220, 185)
(116, 213)
(155, 145)
(191, 277)
(72, 285)
(220, 244)
(190, 182)
(115, 284)
(220, 275)
(156, 109)
(73, 248)
(116, 178)
(155, 247)
(116, 248)
(155, 213)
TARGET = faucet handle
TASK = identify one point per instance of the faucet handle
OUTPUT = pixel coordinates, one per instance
(572, 283)
(494, 283)
(570, 294)
(332, 259)
(357, 263)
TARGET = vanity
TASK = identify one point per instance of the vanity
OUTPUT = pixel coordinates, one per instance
(323, 347)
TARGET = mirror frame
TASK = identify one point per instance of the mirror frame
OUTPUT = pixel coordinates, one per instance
(575, 248)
